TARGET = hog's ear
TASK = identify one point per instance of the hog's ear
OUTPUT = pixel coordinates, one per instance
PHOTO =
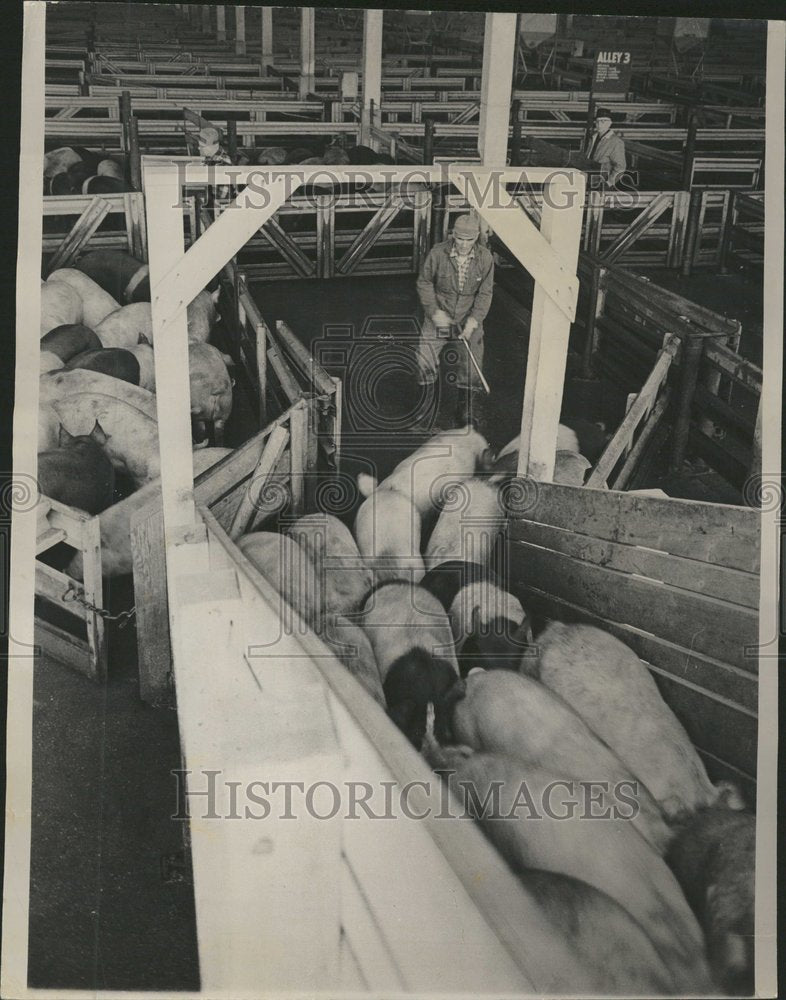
(215, 296)
(98, 434)
(64, 438)
(142, 339)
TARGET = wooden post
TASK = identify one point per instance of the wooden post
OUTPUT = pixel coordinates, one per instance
(515, 143)
(125, 117)
(727, 236)
(232, 138)
(221, 23)
(206, 18)
(595, 310)
(240, 30)
(134, 154)
(549, 332)
(307, 52)
(428, 140)
(690, 359)
(499, 43)
(260, 333)
(372, 63)
(691, 231)
(590, 121)
(690, 149)
(267, 38)
(755, 466)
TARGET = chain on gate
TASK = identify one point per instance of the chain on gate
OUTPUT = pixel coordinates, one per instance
(123, 617)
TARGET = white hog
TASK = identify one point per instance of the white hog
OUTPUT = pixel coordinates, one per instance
(115, 521)
(537, 822)
(453, 454)
(344, 579)
(289, 570)
(96, 303)
(387, 530)
(352, 646)
(60, 305)
(468, 525)
(509, 713)
(127, 326)
(202, 316)
(210, 384)
(147, 367)
(567, 440)
(615, 694)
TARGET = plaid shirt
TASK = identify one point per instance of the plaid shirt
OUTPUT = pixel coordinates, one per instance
(462, 264)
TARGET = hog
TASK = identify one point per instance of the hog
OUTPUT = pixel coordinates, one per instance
(343, 578)
(469, 525)
(350, 644)
(63, 384)
(411, 638)
(78, 473)
(270, 156)
(538, 820)
(115, 521)
(60, 306)
(613, 691)
(289, 570)
(69, 340)
(125, 326)
(202, 316)
(147, 372)
(451, 455)
(491, 629)
(210, 384)
(387, 530)
(511, 714)
(96, 303)
(124, 277)
(112, 361)
(714, 860)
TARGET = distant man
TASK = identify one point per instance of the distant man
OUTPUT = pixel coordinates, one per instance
(455, 287)
(606, 148)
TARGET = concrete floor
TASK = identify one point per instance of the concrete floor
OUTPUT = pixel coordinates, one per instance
(109, 907)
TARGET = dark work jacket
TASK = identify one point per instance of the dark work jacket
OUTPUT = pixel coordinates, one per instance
(437, 284)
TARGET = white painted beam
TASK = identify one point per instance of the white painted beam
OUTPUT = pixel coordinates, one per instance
(221, 23)
(165, 244)
(499, 46)
(307, 51)
(372, 62)
(267, 37)
(240, 31)
(205, 258)
(549, 332)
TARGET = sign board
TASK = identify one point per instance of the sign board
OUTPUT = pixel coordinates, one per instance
(612, 72)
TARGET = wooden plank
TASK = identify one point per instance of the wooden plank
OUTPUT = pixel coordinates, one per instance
(734, 366)
(61, 645)
(287, 380)
(87, 223)
(299, 433)
(46, 539)
(651, 424)
(735, 686)
(249, 501)
(289, 250)
(706, 579)
(643, 403)
(52, 585)
(308, 367)
(366, 238)
(154, 652)
(93, 593)
(638, 227)
(717, 533)
(721, 630)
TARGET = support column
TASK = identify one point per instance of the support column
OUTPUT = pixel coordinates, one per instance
(240, 31)
(221, 23)
(267, 38)
(307, 53)
(372, 66)
(549, 332)
(499, 45)
(206, 18)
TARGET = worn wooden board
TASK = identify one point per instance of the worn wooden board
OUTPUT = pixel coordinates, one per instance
(718, 533)
(698, 577)
(715, 628)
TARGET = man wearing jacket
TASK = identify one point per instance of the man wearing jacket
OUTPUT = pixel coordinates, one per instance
(606, 148)
(455, 287)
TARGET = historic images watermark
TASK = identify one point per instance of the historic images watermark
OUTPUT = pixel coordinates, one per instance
(209, 794)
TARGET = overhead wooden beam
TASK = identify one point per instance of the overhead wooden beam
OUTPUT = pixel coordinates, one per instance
(228, 234)
(240, 30)
(267, 37)
(307, 51)
(499, 45)
(549, 331)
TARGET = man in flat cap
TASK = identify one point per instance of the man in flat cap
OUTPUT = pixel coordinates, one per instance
(606, 148)
(455, 286)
